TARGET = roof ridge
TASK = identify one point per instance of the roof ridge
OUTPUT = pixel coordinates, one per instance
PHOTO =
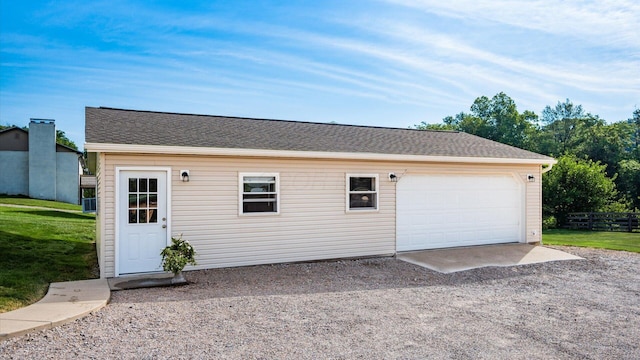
(279, 120)
(12, 128)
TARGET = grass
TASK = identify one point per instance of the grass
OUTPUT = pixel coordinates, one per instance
(19, 200)
(595, 239)
(39, 246)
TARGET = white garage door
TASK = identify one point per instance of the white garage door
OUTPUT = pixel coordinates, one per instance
(439, 211)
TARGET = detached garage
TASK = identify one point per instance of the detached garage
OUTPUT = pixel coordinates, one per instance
(257, 191)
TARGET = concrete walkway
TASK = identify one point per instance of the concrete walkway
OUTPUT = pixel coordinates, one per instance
(460, 259)
(64, 302)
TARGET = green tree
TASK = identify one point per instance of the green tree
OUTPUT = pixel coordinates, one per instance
(472, 125)
(437, 126)
(62, 139)
(564, 126)
(563, 129)
(628, 181)
(507, 124)
(495, 119)
(608, 144)
(634, 122)
(576, 185)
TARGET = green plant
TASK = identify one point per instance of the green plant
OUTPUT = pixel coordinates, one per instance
(549, 222)
(177, 255)
(577, 185)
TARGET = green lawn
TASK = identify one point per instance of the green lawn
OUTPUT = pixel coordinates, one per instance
(40, 246)
(17, 200)
(596, 239)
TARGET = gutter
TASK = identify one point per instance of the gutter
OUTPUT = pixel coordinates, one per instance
(185, 150)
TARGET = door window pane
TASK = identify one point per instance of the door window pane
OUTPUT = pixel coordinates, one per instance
(153, 200)
(142, 201)
(133, 201)
(133, 216)
(142, 216)
(133, 185)
(143, 185)
(153, 215)
(153, 185)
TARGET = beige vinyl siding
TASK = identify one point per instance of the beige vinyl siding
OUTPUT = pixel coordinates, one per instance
(108, 222)
(100, 211)
(534, 207)
(533, 203)
(313, 223)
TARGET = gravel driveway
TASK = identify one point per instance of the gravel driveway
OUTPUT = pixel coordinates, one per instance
(368, 309)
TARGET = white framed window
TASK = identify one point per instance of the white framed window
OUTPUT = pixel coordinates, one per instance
(259, 193)
(362, 192)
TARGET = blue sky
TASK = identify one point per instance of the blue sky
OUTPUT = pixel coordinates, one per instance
(384, 63)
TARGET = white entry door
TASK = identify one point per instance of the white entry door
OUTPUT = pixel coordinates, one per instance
(442, 210)
(142, 216)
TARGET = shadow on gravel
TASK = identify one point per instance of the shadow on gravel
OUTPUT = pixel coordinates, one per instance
(337, 276)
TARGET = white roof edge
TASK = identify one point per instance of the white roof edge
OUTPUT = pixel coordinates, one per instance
(193, 150)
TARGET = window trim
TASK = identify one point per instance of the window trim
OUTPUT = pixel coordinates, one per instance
(241, 193)
(348, 193)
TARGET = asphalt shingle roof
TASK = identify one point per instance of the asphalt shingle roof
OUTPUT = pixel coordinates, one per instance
(119, 126)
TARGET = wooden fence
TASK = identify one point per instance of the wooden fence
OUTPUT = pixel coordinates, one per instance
(602, 221)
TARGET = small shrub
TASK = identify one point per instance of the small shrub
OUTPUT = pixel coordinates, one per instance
(177, 255)
(549, 222)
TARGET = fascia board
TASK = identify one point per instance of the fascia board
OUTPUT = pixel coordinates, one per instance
(191, 150)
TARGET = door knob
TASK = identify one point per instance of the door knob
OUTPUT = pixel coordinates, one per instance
(164, 226)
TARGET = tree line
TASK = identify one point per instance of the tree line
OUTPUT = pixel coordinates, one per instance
(598, 165)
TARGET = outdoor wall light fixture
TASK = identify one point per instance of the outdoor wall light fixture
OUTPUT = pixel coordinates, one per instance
(184, 174)
(531, 178)
(393, 177)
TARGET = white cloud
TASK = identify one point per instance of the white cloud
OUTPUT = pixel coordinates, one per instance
(616, 76)
(610, 22)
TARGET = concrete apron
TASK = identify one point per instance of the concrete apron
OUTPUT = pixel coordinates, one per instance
(145, 281)
(460, 259)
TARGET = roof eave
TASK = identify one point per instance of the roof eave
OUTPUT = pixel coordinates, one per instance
(78, 152)
(192, 150)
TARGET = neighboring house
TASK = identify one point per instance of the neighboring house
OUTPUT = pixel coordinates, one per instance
(254, 191)
(34, 165)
